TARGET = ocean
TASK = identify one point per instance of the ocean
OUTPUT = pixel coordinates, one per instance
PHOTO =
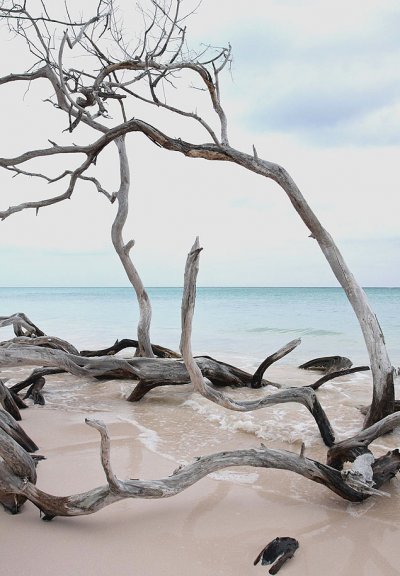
(245, 324)
(175, 423)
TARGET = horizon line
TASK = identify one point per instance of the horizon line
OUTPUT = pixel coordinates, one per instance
(205, 286)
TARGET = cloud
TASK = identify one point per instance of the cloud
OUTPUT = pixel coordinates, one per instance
(313, 83)
(324, 73)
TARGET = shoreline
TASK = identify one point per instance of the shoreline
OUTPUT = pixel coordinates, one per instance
(218, 526)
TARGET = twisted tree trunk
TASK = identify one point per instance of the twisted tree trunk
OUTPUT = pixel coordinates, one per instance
(18, 477)
(382, 370)
(381, 367)
(122, 249)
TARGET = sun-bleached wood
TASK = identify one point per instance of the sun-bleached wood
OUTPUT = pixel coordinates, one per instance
(123, 250)
(18, 478)
(304, 396)
(153, 62)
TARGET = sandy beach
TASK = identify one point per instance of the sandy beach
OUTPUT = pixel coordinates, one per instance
(219, 525)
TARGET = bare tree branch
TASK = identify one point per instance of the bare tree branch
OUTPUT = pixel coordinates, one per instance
(18, 477)
(301, 395)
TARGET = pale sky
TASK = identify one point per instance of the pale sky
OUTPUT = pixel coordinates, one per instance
(315, 86)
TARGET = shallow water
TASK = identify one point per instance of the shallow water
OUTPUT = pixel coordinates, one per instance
(178, 424)
(245, 324)
(219, 525)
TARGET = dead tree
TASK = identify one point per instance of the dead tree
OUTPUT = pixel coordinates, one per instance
(49, 65)
(18, 476)
(149, 67)
(153, 372)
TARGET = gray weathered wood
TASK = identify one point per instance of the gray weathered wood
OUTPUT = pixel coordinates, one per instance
(21, 324)
(122, 249)
(18, 477)
(350, 448)
(304, 396)
(45, 341)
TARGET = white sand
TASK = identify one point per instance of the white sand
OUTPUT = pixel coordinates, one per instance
(216, 527)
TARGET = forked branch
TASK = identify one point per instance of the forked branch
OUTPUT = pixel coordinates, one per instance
(18, 477)
(304, 396)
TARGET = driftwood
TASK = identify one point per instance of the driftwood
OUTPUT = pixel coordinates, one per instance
(119, 345)
(15, 462)
(157, 371)
(327, 364)
(256, 381)
(336, 374)
(347, 450)
(45, 341)
(152, 372)
(35, 376)
(123, 250)
(364, 409)
(11, 427)
(148, 68)
(21, 324)
(8, 402)
(305, 396)
(18, 477)
(277, 553)
(35, 392)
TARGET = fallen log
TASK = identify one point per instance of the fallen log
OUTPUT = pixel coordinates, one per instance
(336, 374)
(157, 371)
(152, 372)
(348, 450)
(8, 402)
(11, 427)
(119, 345)
(18, 477)
(45, 341)
(219, 373)
(304, 396)
(327, 364)
(21, 324)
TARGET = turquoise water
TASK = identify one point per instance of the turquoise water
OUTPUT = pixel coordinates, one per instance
(242, 323)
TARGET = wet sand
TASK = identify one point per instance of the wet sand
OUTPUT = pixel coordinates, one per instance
(216, 527)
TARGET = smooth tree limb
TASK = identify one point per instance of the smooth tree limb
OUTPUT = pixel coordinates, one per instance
(21, 324)
(151, 372)
(281, 353)
(337, 374)
(152, 67)
(18, 477)
(304, 396)
(8, 402)
(159, 351)
(154, 372)
(350, 448)
(123, 250)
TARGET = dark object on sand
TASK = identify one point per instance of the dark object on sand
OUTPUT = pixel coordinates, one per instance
(328, 364)
(277, 552)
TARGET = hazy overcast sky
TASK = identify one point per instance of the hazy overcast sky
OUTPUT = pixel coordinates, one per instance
(315, 86)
